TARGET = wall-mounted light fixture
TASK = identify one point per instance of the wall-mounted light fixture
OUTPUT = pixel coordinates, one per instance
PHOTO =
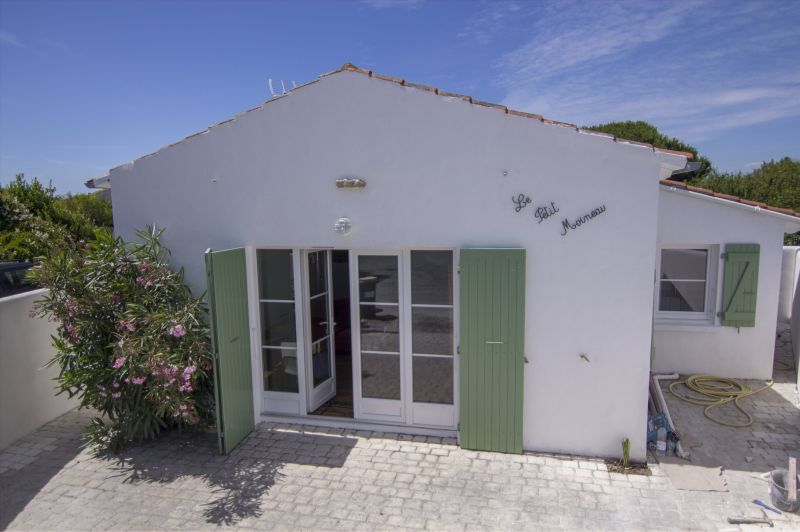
(343, 226)
(350, 182)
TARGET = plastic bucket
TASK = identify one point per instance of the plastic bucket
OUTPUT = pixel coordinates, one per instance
(778, 481)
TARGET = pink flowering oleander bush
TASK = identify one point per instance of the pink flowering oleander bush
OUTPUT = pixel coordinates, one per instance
(132, 342)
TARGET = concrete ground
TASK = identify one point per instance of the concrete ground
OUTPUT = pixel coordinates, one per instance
(297, 477)
(743, 456)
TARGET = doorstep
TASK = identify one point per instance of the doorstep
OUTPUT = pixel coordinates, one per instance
(352, 424)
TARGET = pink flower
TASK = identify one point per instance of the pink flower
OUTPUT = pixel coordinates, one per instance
(118, 362)
(138, 380)
(188, 371)
(177, 330)
(72, 332)
(73, 309)
(116, 395)
(115, 385)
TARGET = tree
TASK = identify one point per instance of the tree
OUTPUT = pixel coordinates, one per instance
(776, 183)
(641, 131)
(34, 221)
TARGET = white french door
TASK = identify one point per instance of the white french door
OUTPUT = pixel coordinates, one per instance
(403, 329)
(378, 344)
(320, 367)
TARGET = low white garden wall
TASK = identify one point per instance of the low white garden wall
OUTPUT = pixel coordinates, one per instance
(795, 325)
(27, 389)
(790, 271)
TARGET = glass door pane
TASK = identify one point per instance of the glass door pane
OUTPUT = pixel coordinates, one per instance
(432, 337)
(276, 308)
(379, 335)
(320, 329)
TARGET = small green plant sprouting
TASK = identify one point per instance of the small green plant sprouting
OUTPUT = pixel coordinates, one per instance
(626, 452)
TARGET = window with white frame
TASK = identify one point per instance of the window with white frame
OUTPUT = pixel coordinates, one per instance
(686, 283)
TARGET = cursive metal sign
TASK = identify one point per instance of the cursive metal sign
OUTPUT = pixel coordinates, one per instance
(566, 225)
(541, 212)
(521, 201)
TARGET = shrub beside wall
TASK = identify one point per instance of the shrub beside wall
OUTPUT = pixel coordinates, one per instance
(132, 342)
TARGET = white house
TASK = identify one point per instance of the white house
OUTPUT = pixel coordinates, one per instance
(406, 259)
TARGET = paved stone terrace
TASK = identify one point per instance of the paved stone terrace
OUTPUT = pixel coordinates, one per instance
(745, 455)
(296, 477)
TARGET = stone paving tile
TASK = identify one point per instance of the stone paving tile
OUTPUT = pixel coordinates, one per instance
(746, 455)
(292, 477)
(285, 477)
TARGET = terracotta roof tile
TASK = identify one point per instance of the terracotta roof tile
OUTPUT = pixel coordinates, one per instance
(636, 143)
(526, 115)
(596, 133)
(387, 78)
(754, 203)
(490, 104)
(422, 87)
(456, 95)
(781, 210)
(728, 197)
(557, 123)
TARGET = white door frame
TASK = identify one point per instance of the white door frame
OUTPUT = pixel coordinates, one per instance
(405, 411)
(272, 401)
(429, 414)
(369, 408)
(325, 391)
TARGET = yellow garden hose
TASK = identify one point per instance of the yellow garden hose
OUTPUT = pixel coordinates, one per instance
(716, 392)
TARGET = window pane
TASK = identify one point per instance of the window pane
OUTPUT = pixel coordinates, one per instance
(682, 296)
(432, 277)
(683, 264)
(377, 278)
(379, 328)
(275, 274)
(318, 272)
(280, 370)
(432, 330)
(277, 324)
(321, 362)
(433, 379)
(380, 376)
(319, 317)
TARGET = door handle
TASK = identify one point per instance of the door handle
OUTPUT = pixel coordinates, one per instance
(488, 342)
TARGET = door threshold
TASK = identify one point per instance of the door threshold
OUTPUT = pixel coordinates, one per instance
(352, 424)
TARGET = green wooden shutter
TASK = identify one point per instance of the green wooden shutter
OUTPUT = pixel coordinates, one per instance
(740, 285)
(492, 334)
(226, 274)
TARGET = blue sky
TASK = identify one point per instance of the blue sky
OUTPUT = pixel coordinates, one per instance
(85, 86)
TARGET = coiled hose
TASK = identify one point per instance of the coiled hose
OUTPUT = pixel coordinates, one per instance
(716, 392)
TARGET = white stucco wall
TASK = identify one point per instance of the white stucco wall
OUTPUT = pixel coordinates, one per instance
(687, 220)
(435, 168)
(27, 389)
(794, 320)
(790, 273)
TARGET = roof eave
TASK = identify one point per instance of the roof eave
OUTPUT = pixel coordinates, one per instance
(792, 221)
(102, 182)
